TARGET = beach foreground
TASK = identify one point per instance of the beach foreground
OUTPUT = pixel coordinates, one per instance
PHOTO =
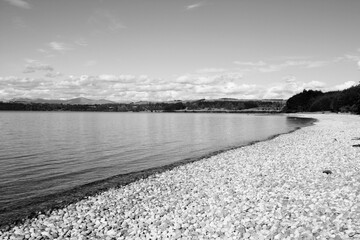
(302, 185)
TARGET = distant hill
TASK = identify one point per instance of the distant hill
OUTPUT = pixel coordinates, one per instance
(86, 101)
(347, 100)
(36, 100)
(74, 101)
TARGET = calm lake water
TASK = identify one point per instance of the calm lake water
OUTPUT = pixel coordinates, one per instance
(49, 152)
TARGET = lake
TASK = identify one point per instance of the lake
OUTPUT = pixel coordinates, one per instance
(46, 153)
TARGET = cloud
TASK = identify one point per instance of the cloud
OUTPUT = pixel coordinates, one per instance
(14, 87)
(283, 58)
(210, 70)
(314, 85)
(59, 46)
(287, 89)
(261, 66)
(114, 24)
(351, 57)
(41, 50)
(19, 3)
(53, 74)
(103, 19)
(289, 79)
(81, 42)
(90, 63)
(287, 64)
(206, 80)
(304, 62)
(342, 86)
(45, 52)
(128, 87)
(35, 66)
(193, 6)
(251, 64)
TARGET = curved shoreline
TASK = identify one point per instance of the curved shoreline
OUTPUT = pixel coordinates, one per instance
(60, 200)
(303, 185)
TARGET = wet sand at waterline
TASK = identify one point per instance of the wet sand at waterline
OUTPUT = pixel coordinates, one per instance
(300, 185)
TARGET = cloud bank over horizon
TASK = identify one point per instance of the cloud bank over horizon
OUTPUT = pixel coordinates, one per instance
(125, 88)
(42, 80)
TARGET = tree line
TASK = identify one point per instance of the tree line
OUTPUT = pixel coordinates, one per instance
(347, 100)
(199, 105)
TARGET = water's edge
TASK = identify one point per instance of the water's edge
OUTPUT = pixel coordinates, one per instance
(60, 200)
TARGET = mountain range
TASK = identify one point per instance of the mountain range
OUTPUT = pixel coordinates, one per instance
(73, 101)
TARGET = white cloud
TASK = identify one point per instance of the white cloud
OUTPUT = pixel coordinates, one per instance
(261, 66)
(342, 86)
(289, 78)
(293, 62)
(352, 57)
(53, 74)
(193, 6)
(19, 3)
(14, 87)
(103, 19)
(282, 58)
(59, 46)
(212, 79)
(45, 52)
(108, 77)
(210, 70)
(283, 90)
(315, 85)
(114, 24)
(287, 64)
(349, 57)
(29, 60)
(131, 87)
(41, 50)
(141, 87)
(287, 88)
(81, 42)
(251, 64)
(90, 63)
(35, 66)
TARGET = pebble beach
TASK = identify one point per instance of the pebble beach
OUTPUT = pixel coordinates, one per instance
(301, 185)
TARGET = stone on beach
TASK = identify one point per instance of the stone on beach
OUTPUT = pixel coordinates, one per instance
(269, 190)
(327, 171)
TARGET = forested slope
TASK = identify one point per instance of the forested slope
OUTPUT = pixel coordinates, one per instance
(347, 100)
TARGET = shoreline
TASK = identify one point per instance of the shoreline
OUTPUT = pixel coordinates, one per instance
(278, 189)
(51, 202)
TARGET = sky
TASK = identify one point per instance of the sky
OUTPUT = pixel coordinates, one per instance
(159, 50)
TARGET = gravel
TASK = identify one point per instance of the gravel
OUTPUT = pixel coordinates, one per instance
(303, 185)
